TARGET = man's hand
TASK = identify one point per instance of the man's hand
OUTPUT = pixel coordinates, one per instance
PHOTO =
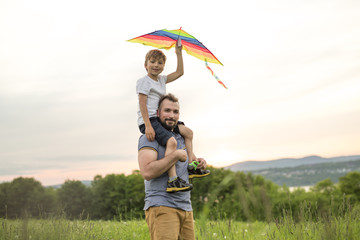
(150, 133)
(202, 163)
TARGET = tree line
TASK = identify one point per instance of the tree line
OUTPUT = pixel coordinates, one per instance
(221, 195)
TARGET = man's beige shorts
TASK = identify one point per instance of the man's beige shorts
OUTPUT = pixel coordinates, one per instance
(170, 223)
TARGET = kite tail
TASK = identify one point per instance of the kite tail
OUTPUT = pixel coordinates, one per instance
(212, 72)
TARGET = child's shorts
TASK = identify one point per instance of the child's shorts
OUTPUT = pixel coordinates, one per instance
(162, 135)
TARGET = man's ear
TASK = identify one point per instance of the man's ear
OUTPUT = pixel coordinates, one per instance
(157, 112)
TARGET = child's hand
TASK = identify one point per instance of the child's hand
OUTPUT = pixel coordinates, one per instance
(150, 133)
(178, 46)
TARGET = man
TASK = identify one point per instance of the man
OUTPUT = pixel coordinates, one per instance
(168, 215)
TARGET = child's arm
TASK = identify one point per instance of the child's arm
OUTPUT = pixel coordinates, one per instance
(180, 65)
(149, 131)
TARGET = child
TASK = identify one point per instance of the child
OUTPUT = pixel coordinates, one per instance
(150, 88)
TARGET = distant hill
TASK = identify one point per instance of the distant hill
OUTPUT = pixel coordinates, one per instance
(287, 162)
(309, 174)
(306, 171)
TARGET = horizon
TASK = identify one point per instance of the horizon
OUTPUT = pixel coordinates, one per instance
(90, 180)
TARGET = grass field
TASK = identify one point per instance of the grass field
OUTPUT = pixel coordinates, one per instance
(327, 228)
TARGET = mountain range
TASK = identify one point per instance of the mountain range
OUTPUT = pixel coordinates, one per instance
(301, 172)
(249, 166)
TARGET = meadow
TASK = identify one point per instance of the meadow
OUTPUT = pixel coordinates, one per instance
(226, 205)
(58, 228)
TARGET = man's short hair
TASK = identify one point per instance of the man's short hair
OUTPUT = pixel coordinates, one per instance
(170, 97)
(155, 53)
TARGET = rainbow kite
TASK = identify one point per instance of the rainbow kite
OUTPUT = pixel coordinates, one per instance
(166, 39)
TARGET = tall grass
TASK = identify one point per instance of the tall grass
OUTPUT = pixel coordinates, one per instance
(325, 227)
(62, 229)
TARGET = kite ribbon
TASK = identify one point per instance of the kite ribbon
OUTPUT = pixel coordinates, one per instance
(212, 72)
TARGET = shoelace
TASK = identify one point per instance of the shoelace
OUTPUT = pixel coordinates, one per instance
(182, 181)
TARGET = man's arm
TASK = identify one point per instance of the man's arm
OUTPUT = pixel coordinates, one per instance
(151, 168)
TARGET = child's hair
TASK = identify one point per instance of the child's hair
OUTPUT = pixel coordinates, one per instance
(155, 53)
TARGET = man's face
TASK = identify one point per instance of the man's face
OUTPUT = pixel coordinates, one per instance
(168, 114)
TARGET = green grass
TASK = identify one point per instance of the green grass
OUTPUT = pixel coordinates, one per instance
(62, 229)
(346, 227)
(327, 227)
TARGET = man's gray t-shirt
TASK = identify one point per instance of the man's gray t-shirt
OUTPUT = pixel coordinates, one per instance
(155, 189)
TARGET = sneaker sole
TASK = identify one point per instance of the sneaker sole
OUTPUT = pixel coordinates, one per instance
(171, 190)
(198, 175)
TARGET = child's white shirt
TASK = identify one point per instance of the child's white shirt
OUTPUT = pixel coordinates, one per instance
(154, 90)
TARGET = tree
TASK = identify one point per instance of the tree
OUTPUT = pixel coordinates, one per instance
(74, 199)
(134, 194)
(350, 185)
(117, 195)
(26, 197)
(108, 196)
(4, 189)
(325, 186)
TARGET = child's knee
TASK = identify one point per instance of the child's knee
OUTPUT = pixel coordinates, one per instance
(172, 143)
(187, 133)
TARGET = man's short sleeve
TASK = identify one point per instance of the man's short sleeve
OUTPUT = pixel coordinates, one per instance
(143, 86)
(145, 143)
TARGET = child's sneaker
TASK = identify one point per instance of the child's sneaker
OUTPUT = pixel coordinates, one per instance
(194, 172)
(198, 173)
(178, 185)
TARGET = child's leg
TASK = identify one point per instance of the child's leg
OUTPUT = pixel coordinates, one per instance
(188, 135)
(175, 183)
(172, 173)
(171, 147)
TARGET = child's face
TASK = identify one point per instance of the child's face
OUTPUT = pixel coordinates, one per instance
(154, 67)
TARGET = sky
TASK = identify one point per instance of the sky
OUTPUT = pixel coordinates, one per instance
(67, 82)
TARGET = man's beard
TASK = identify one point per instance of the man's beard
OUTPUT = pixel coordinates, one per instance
(169, 127)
